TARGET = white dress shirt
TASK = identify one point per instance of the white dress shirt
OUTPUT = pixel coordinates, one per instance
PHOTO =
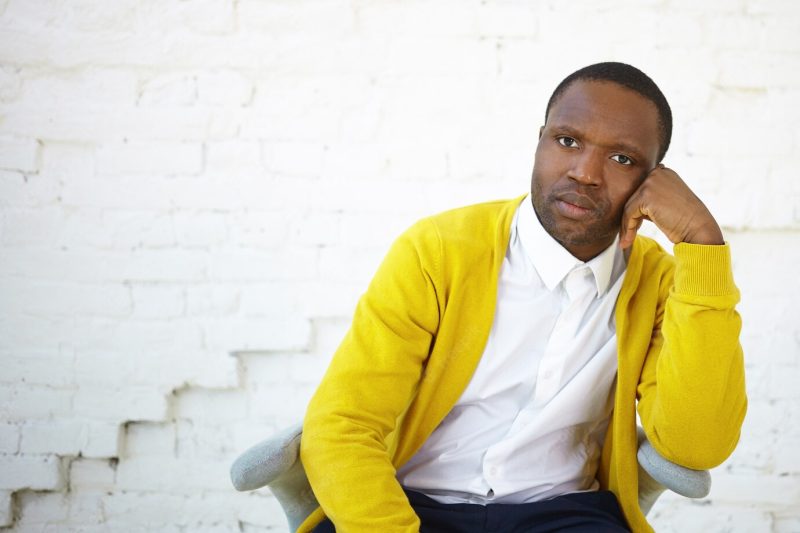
(531, 422)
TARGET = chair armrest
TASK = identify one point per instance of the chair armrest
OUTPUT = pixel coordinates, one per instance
(266, 461)
(656, 474)
(679, 479)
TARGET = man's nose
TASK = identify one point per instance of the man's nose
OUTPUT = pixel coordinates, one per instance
(587, 167)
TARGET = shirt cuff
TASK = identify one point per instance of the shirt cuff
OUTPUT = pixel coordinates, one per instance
(703, 270)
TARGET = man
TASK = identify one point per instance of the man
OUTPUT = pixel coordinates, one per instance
(493, 371)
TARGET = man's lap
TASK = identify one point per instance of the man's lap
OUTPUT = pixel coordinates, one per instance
(595, 512)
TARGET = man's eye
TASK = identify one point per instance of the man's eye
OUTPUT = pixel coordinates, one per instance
(569, 142)
(622, 159)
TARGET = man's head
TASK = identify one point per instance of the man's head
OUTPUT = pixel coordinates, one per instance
(606, 127)
(630, 77)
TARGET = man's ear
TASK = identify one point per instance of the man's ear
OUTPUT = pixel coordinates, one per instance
(541, 129)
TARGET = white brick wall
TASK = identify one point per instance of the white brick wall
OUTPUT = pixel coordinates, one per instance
(193, 195)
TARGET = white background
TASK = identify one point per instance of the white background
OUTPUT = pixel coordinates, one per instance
(194, 193)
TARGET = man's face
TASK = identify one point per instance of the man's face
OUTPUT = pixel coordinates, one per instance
(600, 141)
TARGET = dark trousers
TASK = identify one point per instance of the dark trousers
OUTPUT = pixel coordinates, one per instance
(580, 512)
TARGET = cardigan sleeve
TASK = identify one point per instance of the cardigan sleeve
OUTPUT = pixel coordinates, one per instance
(691, 392)
(369, 384)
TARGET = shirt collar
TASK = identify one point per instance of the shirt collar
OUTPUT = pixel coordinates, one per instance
(551, 260)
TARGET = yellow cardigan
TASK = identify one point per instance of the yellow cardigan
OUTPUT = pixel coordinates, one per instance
(419, 332)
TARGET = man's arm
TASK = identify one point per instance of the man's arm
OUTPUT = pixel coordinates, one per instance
(691, 393)
(369, 384)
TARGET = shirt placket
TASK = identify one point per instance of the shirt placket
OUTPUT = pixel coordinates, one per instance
(578, 292)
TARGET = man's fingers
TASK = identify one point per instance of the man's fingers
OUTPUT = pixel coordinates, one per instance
(632, 218)
(629, 229)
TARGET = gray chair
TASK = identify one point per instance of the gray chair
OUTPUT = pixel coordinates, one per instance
(275, 463)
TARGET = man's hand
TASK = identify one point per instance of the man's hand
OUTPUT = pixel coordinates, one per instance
(667, 201)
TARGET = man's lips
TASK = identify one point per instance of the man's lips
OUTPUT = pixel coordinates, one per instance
(575, 206)
(577, 200)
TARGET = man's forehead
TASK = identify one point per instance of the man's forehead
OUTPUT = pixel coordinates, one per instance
(607, 109)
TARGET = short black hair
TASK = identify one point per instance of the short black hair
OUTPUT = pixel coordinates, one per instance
(631, 78)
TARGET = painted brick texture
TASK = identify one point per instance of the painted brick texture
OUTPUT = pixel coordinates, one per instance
(194, 194)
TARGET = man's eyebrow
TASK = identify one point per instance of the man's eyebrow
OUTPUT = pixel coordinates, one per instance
(620, 146)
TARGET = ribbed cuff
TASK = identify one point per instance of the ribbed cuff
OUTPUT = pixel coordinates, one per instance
(703, 269)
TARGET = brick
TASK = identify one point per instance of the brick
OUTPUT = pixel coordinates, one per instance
(62, 437)
(92, 475)
(186, 476)
(18, 330)
(67, 160)
(204, 405)
(28, 402)
(724, 7)
(79, 88)
(201, 229)
(766, 70)
(249, 432)
(329, 298)
(210, 370)
(104, 440)
(307, 369)
(123, 229)
(19, 190)
(283, 126)
(418, 19)
(704, 517)
(119, 404)
(61, 299)
(343, 263)
(42, 510)
(19, 154)
(224, 88)
(102, 266)
(260, 368)
(100, 367)
(780, 376)
(10, 83)
(105, 123)
(34, 472)
(355, 160)
(149, 438)
(292, 333)
(39, 367)
(212, 300)
(294, 159)
(174, 89)
(372, 230)
(268, 402)
(196, 512)
(276, 300)
(291, 263)
(9, 438)
(158, 301)
(27, 226)
(261, 229)
(199, 439)
(234, 157)
(507, 20)
(755, 491)
(6, 508)
(786, 524)
(332, 19)
(210, 16)
(787, 457)
(771, 7)
(140, 157)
